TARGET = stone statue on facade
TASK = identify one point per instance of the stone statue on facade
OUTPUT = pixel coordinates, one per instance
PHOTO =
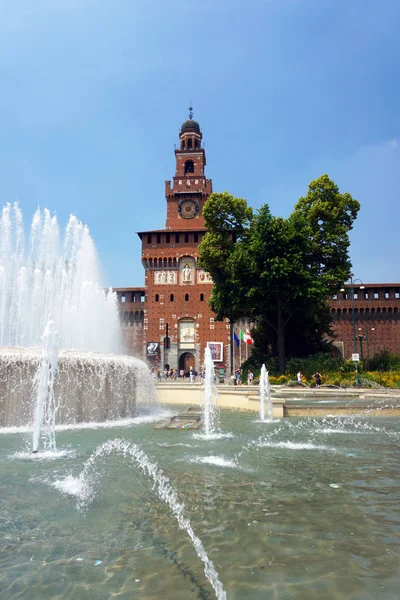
(186, 273)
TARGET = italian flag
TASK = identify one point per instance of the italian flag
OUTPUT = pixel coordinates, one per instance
(246, 337)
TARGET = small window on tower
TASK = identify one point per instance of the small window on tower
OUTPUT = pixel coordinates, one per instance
(201, 297)
(149, 238)
(183, 145)
(171, 297)
(177, 238)
(186, 297)
(189, 143)
(196, 238)
(196, 143)
(157, 298)
(168, 238)
(186, 238)
(158, 238)
(189, 166)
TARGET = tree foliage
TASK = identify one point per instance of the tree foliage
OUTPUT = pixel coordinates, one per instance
(278, 272)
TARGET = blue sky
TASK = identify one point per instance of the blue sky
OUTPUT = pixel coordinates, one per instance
(93, 93)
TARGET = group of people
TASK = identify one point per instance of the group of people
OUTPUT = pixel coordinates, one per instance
(237, 377)
(173, 374)
(317, 377)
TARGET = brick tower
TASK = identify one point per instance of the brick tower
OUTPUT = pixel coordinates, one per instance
(178, 322)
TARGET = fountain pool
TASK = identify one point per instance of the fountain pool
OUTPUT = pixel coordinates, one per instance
(292, 509)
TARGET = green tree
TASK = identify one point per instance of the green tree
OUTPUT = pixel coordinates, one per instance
(279, 272)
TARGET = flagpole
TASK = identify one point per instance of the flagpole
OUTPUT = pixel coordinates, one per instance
(232, 350)
(240, 353)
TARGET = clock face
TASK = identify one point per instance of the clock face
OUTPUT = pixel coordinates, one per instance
(188, 208)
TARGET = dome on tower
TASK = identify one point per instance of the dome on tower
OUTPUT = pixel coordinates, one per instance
(190, 124)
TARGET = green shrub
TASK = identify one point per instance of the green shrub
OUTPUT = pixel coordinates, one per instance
(385, 360)
(324, 363)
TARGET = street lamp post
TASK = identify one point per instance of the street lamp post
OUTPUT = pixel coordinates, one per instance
(361, 338)
(351, 283)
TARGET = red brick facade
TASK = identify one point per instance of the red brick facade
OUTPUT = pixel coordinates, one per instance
(376, 319)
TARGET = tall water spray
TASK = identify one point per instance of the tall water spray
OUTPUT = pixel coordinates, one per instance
(211, 410)
(265, 394)
(45, 411)
(53, 278)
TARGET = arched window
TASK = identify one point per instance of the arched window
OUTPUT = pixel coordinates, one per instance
(186, 297)
(171, 297)
(201, 297)
(189, 166)
(189, 144)
(157, 298)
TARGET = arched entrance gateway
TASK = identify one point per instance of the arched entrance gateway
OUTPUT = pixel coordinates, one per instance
(187, 360)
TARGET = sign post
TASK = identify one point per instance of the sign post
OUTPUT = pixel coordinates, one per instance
(356, 359)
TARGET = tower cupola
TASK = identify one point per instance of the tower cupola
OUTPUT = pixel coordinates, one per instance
(190, 135)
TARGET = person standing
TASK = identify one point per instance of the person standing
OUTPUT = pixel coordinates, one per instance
(191, 375)
(317, 377)
(299, 379)
(250, 377)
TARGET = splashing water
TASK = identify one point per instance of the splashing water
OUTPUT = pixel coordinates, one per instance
(265, 393)
(53, 278)
(51, 298)
(211, 412)
(83, 488)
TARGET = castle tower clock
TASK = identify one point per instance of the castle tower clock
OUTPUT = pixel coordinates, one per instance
(178, 319)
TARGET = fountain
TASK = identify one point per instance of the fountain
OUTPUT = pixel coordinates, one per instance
(265, 393)
(59, 331)
(211, 413)
(308, 508)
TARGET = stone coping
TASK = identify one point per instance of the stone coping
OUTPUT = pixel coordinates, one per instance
(301, 402)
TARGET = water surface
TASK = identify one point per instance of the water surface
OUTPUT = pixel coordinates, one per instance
(293, 509)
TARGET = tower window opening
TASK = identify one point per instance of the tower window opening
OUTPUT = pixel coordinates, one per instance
(196, 237)
(149, 238)
(171, 297)
(201, 297)
(177, 238)
(168, 238)
(186, 238)
(157, 298)
(186, 297)
(183, 145)
(196, 143)
(189, 166)
(158, 238)
(189, 143)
